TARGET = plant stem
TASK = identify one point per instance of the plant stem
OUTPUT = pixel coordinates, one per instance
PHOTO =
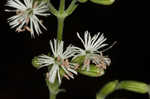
(72, 7)
(52, 8)
(62, 6)
(60, 28)
(60, 20)
(100, 97)
(52, 96)
(53, 89)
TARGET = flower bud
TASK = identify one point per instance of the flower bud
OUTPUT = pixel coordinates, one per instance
(103, 2)
(92, 72)
(107, 89)
(35, 62)
(134, 86)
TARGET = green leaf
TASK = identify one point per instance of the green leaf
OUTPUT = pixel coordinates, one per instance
(103, 2)
(107, 89)
(82, 1)
(134, 86)
(93, 72)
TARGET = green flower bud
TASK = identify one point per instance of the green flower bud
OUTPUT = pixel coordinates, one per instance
(82, 1)
(134, 86)
(35, 62)
(103, 2)
(107, 89)
(93, 71)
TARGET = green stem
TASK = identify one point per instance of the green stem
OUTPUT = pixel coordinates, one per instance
(72, 7)
(52, 8)
(52, 96)
(60, 20)
(53, 89)
(62, 6)
(60, 28)
(62, 14)
(100, 97)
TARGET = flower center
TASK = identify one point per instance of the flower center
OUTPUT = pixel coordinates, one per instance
(29, 11)
(58, 60)
(88, 52)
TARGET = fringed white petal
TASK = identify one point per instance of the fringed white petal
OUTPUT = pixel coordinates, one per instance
(92, 44)
(53, 73)
(67, 72)
(59, 79)
(25, 10)
(58, 49)
(45, 60)
(72, 70)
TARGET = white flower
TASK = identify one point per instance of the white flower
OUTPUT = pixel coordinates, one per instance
(92, 44)
(91, 50)
(58, 61)
(26, 15)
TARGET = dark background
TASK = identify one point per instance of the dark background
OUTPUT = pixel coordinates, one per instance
(126, 22)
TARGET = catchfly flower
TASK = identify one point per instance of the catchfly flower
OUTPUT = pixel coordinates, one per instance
(26, 15)
(91, 51)
(58, 61)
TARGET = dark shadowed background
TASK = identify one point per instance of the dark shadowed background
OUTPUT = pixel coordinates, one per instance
(124, 22)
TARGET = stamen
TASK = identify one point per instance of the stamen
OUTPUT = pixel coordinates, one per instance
(47, 75)
(103, 65)
(65, 63)
(27, 20)
(20, 30)
(86, 64)
(41, 21)
(109, 47)
(100, 61)
(66, 76)
(19, 21)
(95, 60)
(101, 54)
(27, 28)
(76, 66)
(70, 74)
(58, 59)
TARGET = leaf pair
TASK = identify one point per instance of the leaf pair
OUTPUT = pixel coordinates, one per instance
(102, 2)
(133, 86)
